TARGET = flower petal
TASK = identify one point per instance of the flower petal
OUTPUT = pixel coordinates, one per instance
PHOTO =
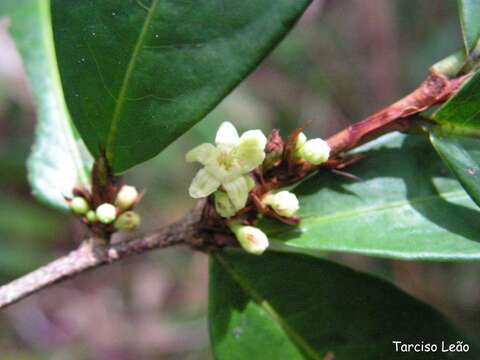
(227, 135)
(237, 191)
(203, 184)
(203, 153)
(251, 150)
(254, 136)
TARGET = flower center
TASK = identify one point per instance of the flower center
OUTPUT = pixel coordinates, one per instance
(225, 159)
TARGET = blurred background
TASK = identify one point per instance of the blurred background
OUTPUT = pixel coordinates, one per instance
(344, 60)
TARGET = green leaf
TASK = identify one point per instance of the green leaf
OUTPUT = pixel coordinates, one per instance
(285, 306)
(406, 206)
(462, 156)
(460, 114)
(56, 163)
(469, 11)
(138, 74)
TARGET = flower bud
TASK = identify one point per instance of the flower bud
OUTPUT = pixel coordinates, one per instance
(91, 216)
(250, 182)
(79, 205)
(106, 213)
(284, 203)
(252, 239)
(128, 221)
(315, 151)
(223, 205)
(126, 197)
(300, 142)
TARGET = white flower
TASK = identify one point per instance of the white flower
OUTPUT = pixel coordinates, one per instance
(226, 163)
(315, 151)
(284, 203)
(126, 197)
(252, 239)
(106, 213)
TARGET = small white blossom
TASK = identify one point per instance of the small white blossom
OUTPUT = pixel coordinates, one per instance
(315, 151)
(126, 197)
(106, 213)
(252, 239)
(284, 203)
(226, 163)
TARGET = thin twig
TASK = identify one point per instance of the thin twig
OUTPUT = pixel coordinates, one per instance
(88, 257)
(435, 89)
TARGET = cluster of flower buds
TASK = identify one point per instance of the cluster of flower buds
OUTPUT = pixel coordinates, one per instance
(315, 151)
(120, 214)
(235, 165)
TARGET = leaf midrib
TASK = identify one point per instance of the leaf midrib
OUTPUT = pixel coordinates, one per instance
(394, 204)
(269, 310)
(122, 95)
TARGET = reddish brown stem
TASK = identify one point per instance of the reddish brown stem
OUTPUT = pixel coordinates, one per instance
(435, 89)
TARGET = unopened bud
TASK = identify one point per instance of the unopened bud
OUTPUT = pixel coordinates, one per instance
(250, 182)
(315, 151)
(106, 213)
(284, 203)
(128, 221)
(91, 216)
(223, 205)
(252, 239)
(126, 197)
(79, 205)
(300, 142)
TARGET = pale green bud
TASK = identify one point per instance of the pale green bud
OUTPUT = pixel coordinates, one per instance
(126, 197)
(284, 203)
(250, 182)
(315, 151)
(79, 205)
(91, 216)
(223, 205)
(252, 239)
(301, 140)
(128, 221)
(106, 213)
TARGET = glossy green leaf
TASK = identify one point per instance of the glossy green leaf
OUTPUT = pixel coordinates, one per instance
(462, 155)
(56, 163)
(460, 114)
(138, 74)
(469, 12)
(406, 206)
(286, 306)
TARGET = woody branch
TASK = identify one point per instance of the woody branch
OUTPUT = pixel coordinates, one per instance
(435, 89)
